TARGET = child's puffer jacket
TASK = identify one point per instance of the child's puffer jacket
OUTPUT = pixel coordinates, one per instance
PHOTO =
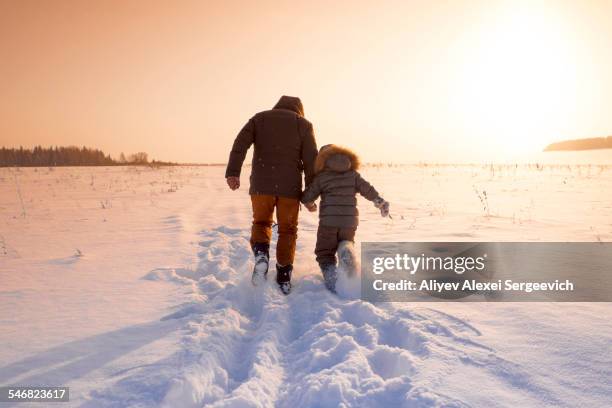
(337, 182)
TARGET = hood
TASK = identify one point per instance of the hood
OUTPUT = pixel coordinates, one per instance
(291, 103)
(336, 158)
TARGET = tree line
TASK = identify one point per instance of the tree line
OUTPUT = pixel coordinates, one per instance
(592, 143)
(68, 156)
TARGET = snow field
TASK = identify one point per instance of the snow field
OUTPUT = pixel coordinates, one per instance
(156, 307)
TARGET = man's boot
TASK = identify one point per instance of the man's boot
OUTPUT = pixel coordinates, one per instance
(262, 260)
(283, 277)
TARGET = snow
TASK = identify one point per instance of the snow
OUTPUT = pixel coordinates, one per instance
(132, 287)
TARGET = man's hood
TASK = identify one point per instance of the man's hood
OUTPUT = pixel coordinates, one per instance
(291, 103)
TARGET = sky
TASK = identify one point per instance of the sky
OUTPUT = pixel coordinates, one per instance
(404, 81)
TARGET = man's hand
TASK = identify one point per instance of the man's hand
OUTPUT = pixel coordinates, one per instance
(233, 182)
(312, 206)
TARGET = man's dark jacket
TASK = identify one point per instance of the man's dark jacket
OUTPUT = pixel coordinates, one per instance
(284, 147)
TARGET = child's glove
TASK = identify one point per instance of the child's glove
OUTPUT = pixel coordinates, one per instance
(312, 206)
(382, 205)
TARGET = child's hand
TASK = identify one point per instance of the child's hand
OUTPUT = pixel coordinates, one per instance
(312, 206)
(383, 206)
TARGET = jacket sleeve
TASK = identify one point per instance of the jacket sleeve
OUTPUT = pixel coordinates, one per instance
(309, 153)
(313, 191)
(365, 188)
(243, 141)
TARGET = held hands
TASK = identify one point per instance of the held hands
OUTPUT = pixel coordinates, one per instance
(233, 182)
(382, 205)
(312, 206)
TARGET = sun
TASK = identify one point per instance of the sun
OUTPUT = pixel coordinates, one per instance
(517, 85)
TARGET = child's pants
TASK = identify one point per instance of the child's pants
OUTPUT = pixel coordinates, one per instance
(328, 239)
(287, 217)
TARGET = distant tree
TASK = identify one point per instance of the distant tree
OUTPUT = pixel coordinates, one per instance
(139, 158)
(122, 158)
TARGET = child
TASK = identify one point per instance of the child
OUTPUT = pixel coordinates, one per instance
(337, 182)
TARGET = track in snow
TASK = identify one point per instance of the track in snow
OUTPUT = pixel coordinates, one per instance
(245, 346)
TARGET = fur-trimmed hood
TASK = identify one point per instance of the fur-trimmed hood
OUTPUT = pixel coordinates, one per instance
(336, 158)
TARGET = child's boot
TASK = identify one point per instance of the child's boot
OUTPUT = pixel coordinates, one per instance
(346, 257)
(283, 278)
(330, 276)
(262, 260)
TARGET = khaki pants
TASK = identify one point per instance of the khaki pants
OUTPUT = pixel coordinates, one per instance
(328, 239)
(287, 210)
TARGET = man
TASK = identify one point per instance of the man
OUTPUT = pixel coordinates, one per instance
(284, 148)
